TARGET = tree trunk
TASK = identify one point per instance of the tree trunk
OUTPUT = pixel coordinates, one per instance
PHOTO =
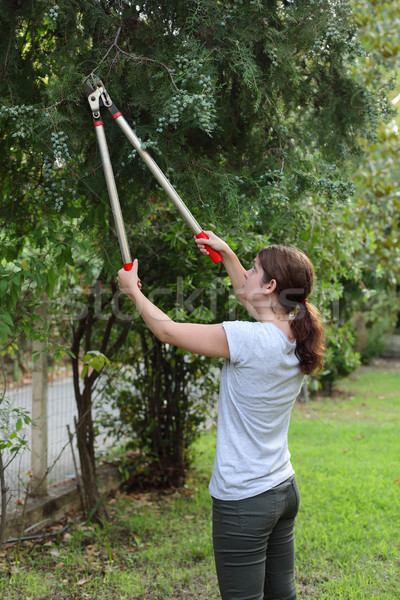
(95, 509)
(83, 339)
(85, 437)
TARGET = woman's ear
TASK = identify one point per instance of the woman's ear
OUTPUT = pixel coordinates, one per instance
(270, 287)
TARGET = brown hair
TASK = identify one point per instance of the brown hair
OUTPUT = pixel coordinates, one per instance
(295, 276)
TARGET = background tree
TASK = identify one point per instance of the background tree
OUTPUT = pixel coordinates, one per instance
(376, 209)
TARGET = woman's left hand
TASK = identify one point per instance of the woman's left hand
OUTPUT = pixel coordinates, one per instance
(128, 281)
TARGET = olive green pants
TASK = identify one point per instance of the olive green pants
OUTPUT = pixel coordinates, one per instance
(254, 544)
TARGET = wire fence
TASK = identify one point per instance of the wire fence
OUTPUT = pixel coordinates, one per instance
(61, 412)
(61, 416)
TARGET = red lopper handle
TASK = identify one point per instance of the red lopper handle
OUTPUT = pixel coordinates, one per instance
(213, 254)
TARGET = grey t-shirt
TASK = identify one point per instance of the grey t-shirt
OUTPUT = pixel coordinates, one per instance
(259, 384)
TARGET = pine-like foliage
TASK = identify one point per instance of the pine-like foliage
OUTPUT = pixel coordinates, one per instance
(246, 106)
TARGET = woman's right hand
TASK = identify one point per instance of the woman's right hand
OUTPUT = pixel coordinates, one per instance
(213, 241)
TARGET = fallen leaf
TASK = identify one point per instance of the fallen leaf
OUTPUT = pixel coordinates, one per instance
(381, 397)
(360, 437)
(346, 450)
(397, 481)
(82, 581)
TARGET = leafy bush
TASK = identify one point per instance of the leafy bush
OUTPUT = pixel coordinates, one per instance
(341, 358)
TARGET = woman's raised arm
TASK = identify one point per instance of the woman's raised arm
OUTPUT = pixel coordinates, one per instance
(207, 340)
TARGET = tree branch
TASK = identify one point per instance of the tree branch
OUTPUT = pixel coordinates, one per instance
(146, 58)
(114, 44)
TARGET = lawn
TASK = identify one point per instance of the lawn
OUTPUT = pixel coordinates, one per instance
(345, 451)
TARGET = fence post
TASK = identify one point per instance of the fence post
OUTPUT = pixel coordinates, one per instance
(39, 409)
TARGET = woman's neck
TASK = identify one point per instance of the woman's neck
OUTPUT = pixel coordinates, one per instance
(271, 314)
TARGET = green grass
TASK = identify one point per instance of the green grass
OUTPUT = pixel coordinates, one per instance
(345, 451)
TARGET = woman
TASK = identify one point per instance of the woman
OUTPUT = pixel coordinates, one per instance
(254, 491)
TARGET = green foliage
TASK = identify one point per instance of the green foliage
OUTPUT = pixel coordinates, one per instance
(94, 360)
(244, 87)
(374, 302)
(162, 402)
(341, 358)
(12, 435)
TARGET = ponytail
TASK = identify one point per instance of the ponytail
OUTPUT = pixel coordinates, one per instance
(294, 275)
(309, 332)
